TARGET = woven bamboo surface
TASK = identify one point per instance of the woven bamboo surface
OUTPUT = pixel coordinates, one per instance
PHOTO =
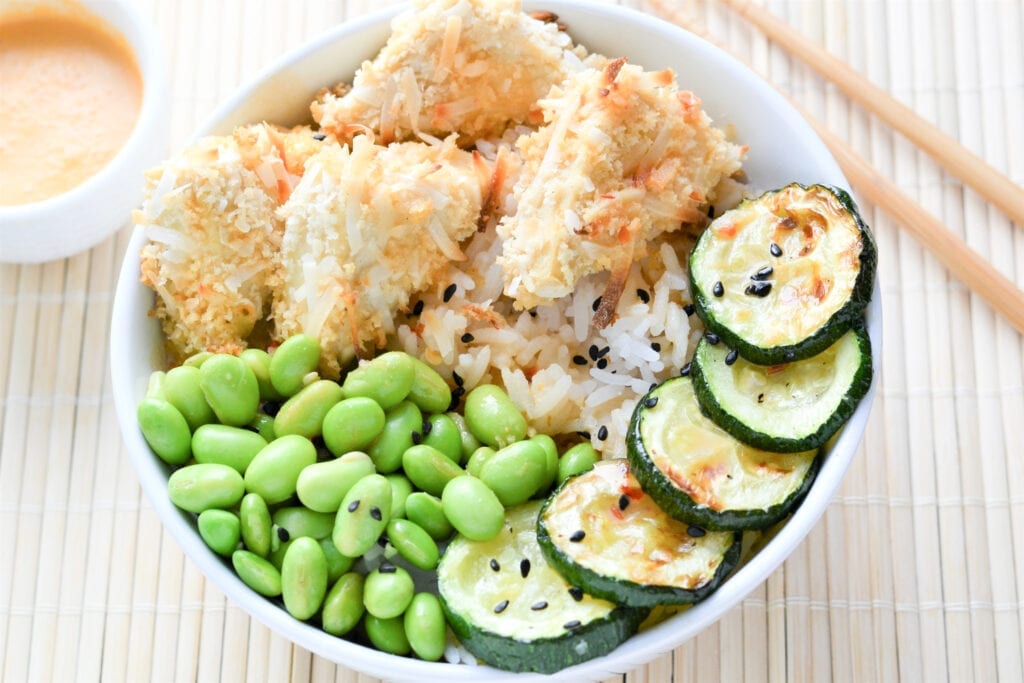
(915, 572)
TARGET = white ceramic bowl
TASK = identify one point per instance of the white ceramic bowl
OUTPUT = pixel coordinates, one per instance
(86, 214)
(782, 149)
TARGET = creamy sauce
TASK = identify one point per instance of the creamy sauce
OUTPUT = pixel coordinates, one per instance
(70, 93)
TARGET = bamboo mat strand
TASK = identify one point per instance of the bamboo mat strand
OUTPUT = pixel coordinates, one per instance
(914, 573)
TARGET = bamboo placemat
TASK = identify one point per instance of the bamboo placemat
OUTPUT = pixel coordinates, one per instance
(915, 572)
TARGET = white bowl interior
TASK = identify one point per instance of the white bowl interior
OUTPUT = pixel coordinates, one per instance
(783, 149)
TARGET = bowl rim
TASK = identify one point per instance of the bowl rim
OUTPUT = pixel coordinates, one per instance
(639, 649)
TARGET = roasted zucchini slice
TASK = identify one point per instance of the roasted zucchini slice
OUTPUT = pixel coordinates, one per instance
(512, 610)
(700, 474)
(603, 534)
(783, 276)
(784, 408)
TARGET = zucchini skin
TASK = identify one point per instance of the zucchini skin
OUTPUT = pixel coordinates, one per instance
(676, 503)
(713, 409)
(623, 591)
(840, 322)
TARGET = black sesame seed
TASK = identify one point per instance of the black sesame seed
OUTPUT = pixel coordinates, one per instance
(579, 360)
(271, 408)
(789, 356)
(711, 211)
(594, 352)
(718, 289)
(495, 566)
(500, 607)
(387, 568)
(578, 536)
(538, 606)
(597, 302)
(711, 338)
(454, 405)
(375, 513)
(689, 309)
(532, 312)
(457, 378)
(758, 288)
(467, 338)
(602, 433)
(760, 398)
(524, 567)
(650, 401)
(656, 346)
(602, 363)
(570, 625)
(457, 392)
(418, 307)
(585, 435)
(695, 531)
(417, 438)
(449, 292)
(353, 506)
(623, 501)
(283, 534)
(775, 249)
(319, 137)
(576, 593)
(643, 295)
(731, 357)
(762, 274)
(685, 370)
(426, 428)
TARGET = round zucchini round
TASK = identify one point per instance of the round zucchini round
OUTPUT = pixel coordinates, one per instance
(781, 277)
(603, 534)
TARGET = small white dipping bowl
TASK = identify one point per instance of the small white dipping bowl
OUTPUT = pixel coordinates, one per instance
(83, 216)
(783, 149)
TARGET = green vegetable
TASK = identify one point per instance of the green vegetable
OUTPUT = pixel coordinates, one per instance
(577, 459)
(257, 573)
(232, 446)
(263, 425)
(388, 591)
(387, 379)
(396, 438)
(429, 469)
(551, 461)
(444, 436)
(304, 413)
(401, 488)
(472, 508)
(220, 530)
(337, 564)
(343, 606)
(230, 388)
(468, 442)
(323, 485)
(256, 524)
(299, 521)
(425, 627)
(363, 516)
(197, 359)
(274, 472)
(165, 430)
(181, 388)
(427, 512)
(413, 543)
(352, 425)
(205, 486)
(258, 361)
(295, 358)
(492, 416)
(387, 635)
(516, 472)
(429, 391)
(480, 456)
(303, 578)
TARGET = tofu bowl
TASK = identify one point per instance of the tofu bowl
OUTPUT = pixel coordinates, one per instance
(781, 149)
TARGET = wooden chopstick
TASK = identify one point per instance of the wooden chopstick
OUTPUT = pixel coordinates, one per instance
(951, 251)
(953, 156)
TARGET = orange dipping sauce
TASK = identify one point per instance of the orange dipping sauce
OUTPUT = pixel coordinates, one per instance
(70, 93)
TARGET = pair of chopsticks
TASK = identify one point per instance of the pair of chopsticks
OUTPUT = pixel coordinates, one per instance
(949, 249)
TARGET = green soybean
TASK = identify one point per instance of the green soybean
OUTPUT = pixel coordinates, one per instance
(230, 388)
(257, 573)
(221, 530)
(444, 436)
(551, 461)
(343, 606)
(303, 578)
(396, 437)
(387, 635)
(467, 441)
(515, 472)
(299, 521)
(425, 627)
(323, 485)
(472, 508)
(274, 472)
(577, 459)
(363, 516)
(352, 425)
(278, 550)
(258, 361)
(387, 594)
(401, 487)
(232, 446)
(197, 359)
(254, 516)
(386, 379)
(492, 416)
(426, 511)
(429, 391)
(429, 469)
(165, 430)
(182, 388)
(295, 358)
(477, 460)
(304, 413)
(155, 388)
(205, 486)
(263, 425)
(413, 543)
(337, 564)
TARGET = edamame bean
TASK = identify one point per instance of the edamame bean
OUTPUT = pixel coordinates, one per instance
(254, 516)
(155, 388)
(232, 446)
(221, 530)
(444, 436)
(577, 459)
(263, 425)
(343, 606)
(165, 430)
(492, 416)
(183, 390)
(477, 460)
(551, 461)
(197, 359)
(337, 564)
(425, 627)
(429, 469)
(515, 472)
(386, 594)
(396, 437)
(413, 543)
(278, 550)
(387, 635)
(352, 425)
(472, 508)
(257, 573)
(295, 358)
(323, 485)
(258, 361)
(205, 486)
(363, 516)
(426, 511)
(304, 413)
(386, 379)
(401, 487)
(274, 472)
(304, 578)
(468, 442)
(230, 388)
(298, 522)
(429, 391)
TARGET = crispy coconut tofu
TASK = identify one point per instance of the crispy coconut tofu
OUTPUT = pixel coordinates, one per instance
(624, 156)
(210, 217)
(364, 229)
(471, 67)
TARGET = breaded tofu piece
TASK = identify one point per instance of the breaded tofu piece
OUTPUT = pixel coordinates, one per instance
(471, 67)
(364, 229)
(210, 217)
(624, 156)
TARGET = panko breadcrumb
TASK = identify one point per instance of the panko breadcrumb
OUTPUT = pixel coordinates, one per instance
(471, 67)
(364, 229)
(624, 156)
